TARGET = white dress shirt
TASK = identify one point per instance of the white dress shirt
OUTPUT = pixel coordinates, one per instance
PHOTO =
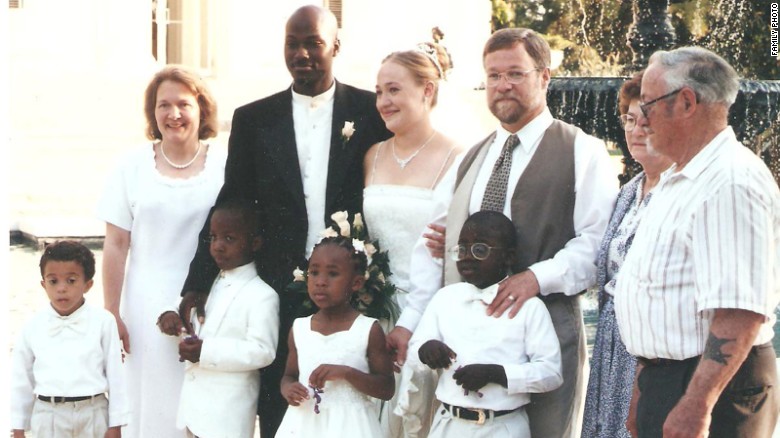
(313, 122)
(710, 240)
(68, 356)
(526, 346)
(573, 268)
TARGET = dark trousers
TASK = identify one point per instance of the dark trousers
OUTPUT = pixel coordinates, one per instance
(271, 406)
(748, 406)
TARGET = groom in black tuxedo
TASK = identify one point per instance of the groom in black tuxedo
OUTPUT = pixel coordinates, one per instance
(277, 155)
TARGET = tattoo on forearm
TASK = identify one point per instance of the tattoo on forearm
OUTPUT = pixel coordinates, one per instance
(714, 349)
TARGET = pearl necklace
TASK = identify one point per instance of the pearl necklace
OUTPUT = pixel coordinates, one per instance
(402, 163)
(180, 166)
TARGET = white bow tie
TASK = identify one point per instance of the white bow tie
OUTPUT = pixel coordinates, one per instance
(58, 324)
(485, 295)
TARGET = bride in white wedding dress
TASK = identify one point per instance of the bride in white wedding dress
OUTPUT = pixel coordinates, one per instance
(401, 176)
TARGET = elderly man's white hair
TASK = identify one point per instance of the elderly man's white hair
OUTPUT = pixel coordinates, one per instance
(710, 76)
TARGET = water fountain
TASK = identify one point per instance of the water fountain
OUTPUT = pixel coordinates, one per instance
(591, 102)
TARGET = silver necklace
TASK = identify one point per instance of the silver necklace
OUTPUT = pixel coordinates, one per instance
(180, 166)
(402, 163)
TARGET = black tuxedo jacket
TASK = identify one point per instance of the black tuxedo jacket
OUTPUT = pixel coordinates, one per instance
(262, 164)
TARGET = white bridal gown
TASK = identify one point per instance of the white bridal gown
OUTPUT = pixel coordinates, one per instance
(396, 216)
(164, 216)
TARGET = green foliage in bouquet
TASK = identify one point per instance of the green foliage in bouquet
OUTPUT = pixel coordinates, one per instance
(375, 298)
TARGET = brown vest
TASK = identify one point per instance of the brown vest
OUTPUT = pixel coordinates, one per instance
(542, 204)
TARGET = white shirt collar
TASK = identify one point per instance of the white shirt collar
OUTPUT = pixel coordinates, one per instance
(239, 272)
(314, 101)
(702, 159)
(487, 294)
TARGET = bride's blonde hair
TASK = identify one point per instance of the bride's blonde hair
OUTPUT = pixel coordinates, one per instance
(429, 62)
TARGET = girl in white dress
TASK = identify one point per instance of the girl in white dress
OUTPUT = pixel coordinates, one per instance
(337, 359)
(402, 174)
(154, 206)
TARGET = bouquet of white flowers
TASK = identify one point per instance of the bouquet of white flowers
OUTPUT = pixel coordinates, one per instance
(375, 298)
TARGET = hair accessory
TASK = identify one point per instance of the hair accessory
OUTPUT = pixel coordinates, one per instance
(180, 166)
(430, 52)
(375, 298)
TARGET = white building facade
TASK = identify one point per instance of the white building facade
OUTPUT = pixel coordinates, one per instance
(77, 71)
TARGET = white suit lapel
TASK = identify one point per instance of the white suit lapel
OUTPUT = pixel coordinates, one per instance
(227, 294)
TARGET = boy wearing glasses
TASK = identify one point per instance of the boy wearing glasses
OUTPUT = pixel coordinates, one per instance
(489, 365)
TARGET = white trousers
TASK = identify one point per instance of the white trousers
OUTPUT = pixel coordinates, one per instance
(82, 419)
(514, 425)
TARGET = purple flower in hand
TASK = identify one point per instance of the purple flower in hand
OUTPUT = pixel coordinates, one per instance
(317, 398)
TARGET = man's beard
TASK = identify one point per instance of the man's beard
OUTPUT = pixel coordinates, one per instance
(507, 111)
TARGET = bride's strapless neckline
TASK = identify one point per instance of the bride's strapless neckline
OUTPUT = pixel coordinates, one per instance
(397, 188)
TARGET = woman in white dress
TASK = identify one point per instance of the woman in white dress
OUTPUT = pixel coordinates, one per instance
(154, 206)
(401, 176)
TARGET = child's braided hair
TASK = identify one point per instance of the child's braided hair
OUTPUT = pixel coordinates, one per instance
(358, 258)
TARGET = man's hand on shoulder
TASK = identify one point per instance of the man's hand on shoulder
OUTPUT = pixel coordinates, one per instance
(436, 240)
(192, 299)
(513, 293)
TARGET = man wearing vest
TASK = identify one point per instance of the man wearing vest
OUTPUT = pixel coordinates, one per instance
(557, 185)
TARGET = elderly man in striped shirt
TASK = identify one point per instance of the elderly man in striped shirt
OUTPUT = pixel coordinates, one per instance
(695, 298)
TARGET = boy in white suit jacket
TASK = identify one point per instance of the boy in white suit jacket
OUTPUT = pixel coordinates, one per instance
(237, 338)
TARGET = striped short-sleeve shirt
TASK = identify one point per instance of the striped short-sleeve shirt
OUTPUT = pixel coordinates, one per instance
(710, 240)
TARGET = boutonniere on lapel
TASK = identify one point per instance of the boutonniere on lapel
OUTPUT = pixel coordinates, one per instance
(346, 132)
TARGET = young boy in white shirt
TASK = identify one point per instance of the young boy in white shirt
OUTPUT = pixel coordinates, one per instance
(488, 365)
(67, 377)
(239, 334)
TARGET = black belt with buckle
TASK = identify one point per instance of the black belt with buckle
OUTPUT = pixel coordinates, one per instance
(477, 415)
(55, 399)
(661, 362)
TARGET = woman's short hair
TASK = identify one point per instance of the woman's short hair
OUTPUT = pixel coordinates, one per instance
(429, 62)
(630, 90)
(208, 106)
(536, 47)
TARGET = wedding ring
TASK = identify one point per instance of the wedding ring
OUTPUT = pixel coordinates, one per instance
(511, 298)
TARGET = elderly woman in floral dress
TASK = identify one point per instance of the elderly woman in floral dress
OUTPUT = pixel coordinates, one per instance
(612, 368)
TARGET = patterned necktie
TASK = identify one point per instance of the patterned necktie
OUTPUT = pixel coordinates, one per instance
(495, 192)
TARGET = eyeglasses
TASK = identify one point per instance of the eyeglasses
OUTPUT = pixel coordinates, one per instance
(480, 251)
(645, 106)
(627, 122)
(512, 77)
